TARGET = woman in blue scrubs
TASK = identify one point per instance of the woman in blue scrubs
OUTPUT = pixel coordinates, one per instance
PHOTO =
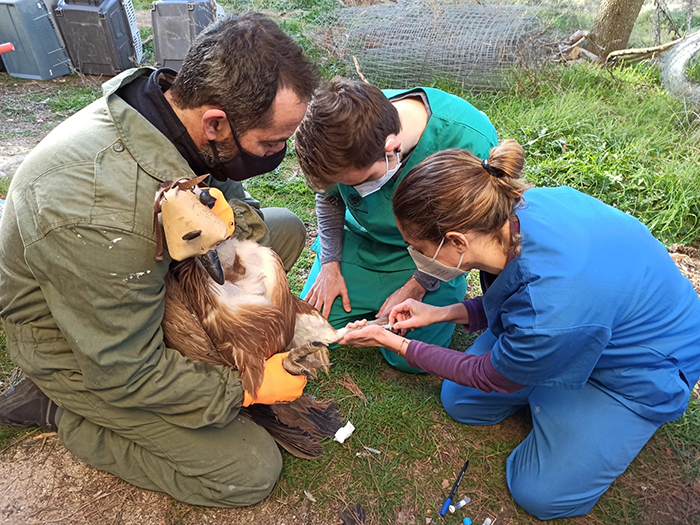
(587, 320)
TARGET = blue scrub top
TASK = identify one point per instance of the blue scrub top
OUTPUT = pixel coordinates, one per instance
(595, 297)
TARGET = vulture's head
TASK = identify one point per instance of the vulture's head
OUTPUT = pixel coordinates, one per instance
(195, 220)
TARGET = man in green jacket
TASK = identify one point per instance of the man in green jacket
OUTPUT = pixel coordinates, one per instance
(82, 297)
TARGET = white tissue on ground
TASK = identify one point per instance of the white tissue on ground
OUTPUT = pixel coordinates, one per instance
(344, 433)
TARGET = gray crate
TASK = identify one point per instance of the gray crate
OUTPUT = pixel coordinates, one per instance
(175, 25)
(38, 52)
(101, 36)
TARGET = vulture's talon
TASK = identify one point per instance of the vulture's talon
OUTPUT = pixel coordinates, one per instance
(305, 359)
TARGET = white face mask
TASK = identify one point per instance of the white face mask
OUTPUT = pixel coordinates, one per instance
(435, 268)
(369, 187)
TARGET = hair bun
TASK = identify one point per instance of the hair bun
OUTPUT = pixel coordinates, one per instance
(498, 173)
(506, 160)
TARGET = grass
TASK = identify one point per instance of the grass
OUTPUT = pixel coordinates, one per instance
(611, 133)
(693, 69)
(31, 108)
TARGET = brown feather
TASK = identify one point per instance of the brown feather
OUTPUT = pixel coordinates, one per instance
(320, 419)
(293, 439)
(254, 340)
(179, 315)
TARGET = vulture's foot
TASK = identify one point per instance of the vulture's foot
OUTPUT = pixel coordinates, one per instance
(307, 359)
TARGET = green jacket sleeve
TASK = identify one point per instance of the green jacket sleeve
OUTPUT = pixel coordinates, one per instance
(106, 294)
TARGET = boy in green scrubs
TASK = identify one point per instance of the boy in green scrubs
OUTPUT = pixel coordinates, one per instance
(354, 146)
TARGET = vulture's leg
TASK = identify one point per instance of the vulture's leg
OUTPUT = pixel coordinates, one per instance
(344, 331)
(307, 359)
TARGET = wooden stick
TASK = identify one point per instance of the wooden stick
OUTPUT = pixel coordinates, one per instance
(639, 52)
(357, 68)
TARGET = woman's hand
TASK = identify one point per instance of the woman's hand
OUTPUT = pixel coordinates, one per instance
(413, 314)
(374, 335)
(412, 289)
(329, 284)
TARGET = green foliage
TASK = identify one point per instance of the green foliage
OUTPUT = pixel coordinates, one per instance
(284, 6)
(148, 49)
(643, 33)
(693, 69)
(4, 186)
(613, 134)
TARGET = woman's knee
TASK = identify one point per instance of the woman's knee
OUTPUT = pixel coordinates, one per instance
(547, 497)
(529, 496)
(470, 406)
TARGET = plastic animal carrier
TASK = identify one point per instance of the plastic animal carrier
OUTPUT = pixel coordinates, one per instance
(176, 23)
(101, 36)
(38, 52)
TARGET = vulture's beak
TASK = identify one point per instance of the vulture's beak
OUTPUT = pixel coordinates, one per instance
(212, 265)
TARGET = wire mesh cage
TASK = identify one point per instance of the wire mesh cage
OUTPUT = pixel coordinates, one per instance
(407, 44)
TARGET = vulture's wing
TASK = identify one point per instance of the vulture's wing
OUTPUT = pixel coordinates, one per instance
(247, 335)
(294, 440)
(182, 329)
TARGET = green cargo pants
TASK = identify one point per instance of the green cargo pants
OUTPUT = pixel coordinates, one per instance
(232, 466)
(287, 234)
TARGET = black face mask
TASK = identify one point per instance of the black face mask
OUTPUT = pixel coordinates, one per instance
(243, 165)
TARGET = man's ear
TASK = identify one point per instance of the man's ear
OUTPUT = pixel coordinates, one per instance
(215, 126)
(392, 144)
(458, 240)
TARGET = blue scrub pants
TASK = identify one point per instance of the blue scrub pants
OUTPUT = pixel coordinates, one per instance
(368, 289)
(581, 440)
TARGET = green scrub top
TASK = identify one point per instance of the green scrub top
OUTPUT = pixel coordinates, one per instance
(372, 239)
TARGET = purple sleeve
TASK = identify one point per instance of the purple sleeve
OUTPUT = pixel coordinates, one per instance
(477, 315)
(465, 369)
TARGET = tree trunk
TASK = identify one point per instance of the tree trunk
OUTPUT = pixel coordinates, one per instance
(613, 26)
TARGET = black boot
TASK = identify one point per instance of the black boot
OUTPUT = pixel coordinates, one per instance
(25, 405)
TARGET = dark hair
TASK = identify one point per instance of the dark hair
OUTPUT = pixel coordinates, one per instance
(453, 191)
(346, 126)
(238, 64)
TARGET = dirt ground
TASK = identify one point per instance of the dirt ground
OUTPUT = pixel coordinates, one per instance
(41, 482)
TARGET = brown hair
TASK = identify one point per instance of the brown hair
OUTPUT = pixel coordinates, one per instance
(345, 127)
(453, 190)
(238, 64)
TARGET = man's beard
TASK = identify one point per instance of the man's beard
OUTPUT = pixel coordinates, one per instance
(227, 150)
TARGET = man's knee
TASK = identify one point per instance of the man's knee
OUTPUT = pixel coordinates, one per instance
(252, 477)
(287, 234)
